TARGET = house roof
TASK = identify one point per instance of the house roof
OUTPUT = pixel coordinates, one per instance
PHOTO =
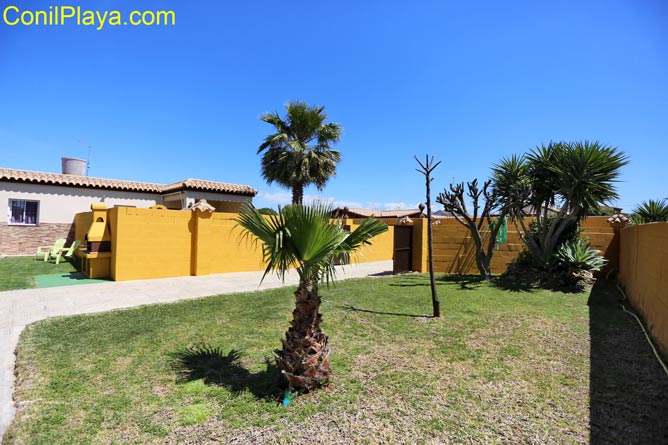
(27, 176)
(365, 213)
(210, 186)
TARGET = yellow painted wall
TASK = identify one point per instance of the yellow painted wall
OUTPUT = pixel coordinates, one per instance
(602, 236)
(643, 272)
(152, 243)
(219, 248)
(420, 258)
(82, 222)
(454, 250)
(382, 246)
(148, 243)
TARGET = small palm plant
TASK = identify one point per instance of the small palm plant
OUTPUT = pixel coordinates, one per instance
(304, 238)
(651, 211)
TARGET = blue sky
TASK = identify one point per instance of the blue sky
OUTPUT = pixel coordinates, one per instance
(469, 82)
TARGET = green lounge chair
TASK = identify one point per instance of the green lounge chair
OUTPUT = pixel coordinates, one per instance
(44, 252)
(66, 252)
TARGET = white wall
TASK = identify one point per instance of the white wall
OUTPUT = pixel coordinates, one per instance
(59, 204)
(193, 196)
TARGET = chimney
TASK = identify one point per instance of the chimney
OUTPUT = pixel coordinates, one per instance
(73, 166)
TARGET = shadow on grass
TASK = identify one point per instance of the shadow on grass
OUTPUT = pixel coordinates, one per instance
(520, 277)
(628, 388)
(516, 284)
(465, 282)
(410, 280)
(387, 273)
(219, 369)
(352, 308)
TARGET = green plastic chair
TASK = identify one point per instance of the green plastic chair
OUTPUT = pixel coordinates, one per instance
(44, 252)
(65, 253)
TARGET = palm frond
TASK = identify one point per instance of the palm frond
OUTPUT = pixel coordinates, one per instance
(304, 238)
(651, 211)
(299, 152)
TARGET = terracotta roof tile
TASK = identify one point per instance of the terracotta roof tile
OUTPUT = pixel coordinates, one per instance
(385, 213)
(357, 212)
(8, 174)
(211, 186)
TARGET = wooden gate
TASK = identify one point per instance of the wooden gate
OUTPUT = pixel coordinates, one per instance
(403, 249)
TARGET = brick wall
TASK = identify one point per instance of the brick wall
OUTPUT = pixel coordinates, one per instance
(24, 240)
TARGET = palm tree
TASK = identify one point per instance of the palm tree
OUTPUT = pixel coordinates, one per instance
(650, 211)
(304, 238)
(562, 183)
(299, 153)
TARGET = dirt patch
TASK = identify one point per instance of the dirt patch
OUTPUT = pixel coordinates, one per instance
(629, 390)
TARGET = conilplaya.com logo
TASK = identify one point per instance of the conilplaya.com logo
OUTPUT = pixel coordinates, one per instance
(22, 15)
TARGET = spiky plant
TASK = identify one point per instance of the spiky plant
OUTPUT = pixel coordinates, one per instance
(304, 238)
(566, 179)
(576, 256)
(650, 211)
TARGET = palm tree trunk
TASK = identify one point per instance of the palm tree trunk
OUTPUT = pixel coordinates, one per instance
(297, 194)
(304, 359)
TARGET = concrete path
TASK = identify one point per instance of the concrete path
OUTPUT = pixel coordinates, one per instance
(21, 307)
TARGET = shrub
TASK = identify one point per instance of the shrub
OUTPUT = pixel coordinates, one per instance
(577, 256)
(570, 234)
(650, 211)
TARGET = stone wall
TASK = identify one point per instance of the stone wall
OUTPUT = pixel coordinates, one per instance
(24, 240)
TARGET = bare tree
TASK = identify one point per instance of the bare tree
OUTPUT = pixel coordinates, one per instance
(426, 168)
(479, 223)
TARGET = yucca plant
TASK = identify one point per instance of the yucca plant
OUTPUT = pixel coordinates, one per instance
(576, 256)
(567, 179)
(650, 211)
(304, 238)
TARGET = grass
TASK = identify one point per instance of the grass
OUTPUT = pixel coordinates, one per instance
(20, 272)
(497, 367)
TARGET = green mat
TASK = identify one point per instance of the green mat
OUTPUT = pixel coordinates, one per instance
(67, 279)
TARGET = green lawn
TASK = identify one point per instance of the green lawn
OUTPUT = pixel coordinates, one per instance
(19, 272)
(497, 367)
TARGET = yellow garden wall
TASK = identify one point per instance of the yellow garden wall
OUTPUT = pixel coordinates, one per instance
(382, 246)
(148, 243)
(643, 272)
(219, 247)
(603, 237)
(454, 248)
(160, 243)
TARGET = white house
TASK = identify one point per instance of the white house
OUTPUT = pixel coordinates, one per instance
(41, 206)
